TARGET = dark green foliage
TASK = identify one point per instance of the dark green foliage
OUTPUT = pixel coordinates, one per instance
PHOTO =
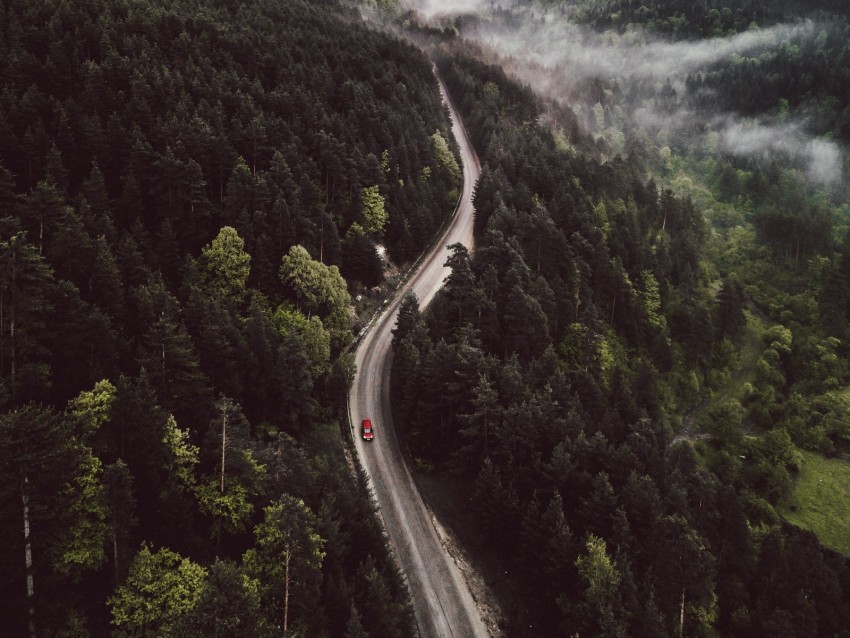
(730, 309)
(547, 370)
(39, 459)
(683, 19)
(121, 517)
(809, 77)
(835, 293)
(25, 286)
(156, 162)
(795, 234)
(359, 259)
(382, 616)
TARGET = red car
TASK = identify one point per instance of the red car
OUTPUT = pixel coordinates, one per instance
(367, 430)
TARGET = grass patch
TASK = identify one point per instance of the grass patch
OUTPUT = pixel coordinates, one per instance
(821, 501)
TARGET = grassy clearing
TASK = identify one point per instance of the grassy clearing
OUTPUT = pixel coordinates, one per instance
(821, 501)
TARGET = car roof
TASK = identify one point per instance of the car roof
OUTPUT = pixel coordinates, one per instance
(367, 423)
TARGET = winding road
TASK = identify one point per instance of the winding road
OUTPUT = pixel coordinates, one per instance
(442, 601)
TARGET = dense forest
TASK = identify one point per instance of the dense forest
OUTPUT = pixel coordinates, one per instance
(190, 195)
(628, 372)
(700, 19)
(807, 76)
(195, 204)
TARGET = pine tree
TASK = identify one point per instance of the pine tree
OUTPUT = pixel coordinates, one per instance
(40, 462)
(730, 309)
(287, 560)
(105, 283)
(168, 354)
(121, 514)
(25, 283)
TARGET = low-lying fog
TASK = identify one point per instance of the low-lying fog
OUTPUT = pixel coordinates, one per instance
(545, 48)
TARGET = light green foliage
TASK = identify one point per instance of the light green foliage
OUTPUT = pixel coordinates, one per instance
(374, 212)
(625, 286)
(93, 408)
(597, 569)
(798, 419)
(651, 299)
(779, 338)
(225, 265)
(244, 468)
(288, 555)
(683, 186)
(769, 375)
(491, 91)
(388, 7)
(563, 143)
(81, 547)
(776, 448)
(42, 463)
(615, 138)
(600, 214)
(228, 607)
(81, 541)
(602, 578)
(834, 410)
(160, 587)
(827, 366)
(312, 332)
(584, 349)
(289, 525)
(232, 508)
(772, 459)
(599, 116)
(320, 290)
(183, 455)
(445, 159)
(356, 230)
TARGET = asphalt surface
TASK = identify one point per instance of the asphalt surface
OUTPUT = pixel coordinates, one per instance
(442, 601)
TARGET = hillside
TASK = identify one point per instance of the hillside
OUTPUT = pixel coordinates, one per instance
(190, 196)
(630, 210)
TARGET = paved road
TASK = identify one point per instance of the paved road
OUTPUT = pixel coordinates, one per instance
(442, 602)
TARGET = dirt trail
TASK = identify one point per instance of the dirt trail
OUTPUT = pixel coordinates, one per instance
(750, 351)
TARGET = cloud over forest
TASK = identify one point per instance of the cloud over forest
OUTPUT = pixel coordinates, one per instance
(546, 49)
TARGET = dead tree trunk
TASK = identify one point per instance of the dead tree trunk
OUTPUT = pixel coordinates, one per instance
(287, 557)
(223, 442)
(28, 559)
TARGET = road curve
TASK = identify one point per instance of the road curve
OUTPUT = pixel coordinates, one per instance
(442, 602)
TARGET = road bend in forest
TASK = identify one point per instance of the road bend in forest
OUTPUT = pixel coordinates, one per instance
(442, 602)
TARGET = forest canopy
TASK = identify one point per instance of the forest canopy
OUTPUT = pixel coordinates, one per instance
(650, 329)
(190, 193)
